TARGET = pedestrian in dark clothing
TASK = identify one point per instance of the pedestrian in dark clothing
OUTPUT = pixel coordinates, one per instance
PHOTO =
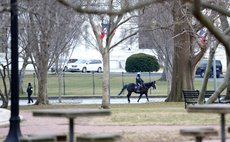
(29, 92)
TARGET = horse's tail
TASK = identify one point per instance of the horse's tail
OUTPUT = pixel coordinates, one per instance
(122, 90)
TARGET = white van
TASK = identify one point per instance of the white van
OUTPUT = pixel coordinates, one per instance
(65, 65)
(84, 65)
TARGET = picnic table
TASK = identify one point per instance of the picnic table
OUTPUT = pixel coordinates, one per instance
(221, 109)
(71, 114)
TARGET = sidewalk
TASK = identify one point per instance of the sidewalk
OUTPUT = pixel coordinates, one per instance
(130, 133)
(5, 116)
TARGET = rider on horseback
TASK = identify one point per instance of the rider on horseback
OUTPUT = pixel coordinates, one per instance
(139, 81)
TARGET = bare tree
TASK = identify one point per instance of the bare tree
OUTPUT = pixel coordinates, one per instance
(157, 34)
(105, 46)
(184, 59)
(4, 48)
(51, 31)
(220, 36)
(225, 27)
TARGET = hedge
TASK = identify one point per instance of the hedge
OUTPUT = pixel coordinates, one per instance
(142, 62)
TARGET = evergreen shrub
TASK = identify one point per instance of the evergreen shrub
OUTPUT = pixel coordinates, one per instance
(141, 62)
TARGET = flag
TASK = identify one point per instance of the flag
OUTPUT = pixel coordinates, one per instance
(103, 30)
(202, 34)
(102, 35)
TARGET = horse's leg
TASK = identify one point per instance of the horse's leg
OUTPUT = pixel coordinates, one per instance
(147, 97)
(128, 96)
(139, 97)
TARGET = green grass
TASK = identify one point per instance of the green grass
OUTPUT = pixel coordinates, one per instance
(81, 84)
(161, 113)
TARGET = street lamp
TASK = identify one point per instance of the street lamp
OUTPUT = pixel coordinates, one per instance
(14, 131)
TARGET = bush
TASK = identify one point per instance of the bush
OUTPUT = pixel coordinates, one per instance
(141, 62)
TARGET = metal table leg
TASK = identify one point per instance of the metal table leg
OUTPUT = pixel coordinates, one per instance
(71, 130)
(222, 127)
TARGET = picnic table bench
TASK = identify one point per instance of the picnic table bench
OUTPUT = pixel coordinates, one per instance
(221, 109)
(44, 138)
(105, 137)
(199, 133)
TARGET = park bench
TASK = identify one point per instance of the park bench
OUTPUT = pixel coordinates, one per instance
(199, 133)
(98, 138)
(190, 97)
(209, 93)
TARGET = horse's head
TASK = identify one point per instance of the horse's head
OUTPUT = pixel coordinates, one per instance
(154, 85)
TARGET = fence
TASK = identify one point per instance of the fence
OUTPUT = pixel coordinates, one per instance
(85, 84)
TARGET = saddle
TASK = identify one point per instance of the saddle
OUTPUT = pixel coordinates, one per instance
(137, 87)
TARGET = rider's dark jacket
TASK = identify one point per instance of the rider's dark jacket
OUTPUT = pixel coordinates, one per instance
(139, 81)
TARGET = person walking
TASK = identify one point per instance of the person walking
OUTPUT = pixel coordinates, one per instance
(29, 91)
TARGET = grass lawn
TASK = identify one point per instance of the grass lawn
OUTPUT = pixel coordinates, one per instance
(88, 84)
(160, 113)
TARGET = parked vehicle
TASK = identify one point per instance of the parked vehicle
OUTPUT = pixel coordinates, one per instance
(65, 68)
(202, 67)
(86, 65)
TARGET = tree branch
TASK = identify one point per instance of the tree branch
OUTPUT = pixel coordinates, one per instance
(123, 40)
(216, 8)
(205, 21)
(138, 5)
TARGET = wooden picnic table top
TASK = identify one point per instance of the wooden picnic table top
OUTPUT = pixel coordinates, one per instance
(71, 113)
(210, 108)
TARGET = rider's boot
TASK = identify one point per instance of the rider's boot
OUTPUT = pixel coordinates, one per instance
(138, 88)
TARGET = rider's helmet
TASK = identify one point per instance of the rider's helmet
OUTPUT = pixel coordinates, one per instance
(138, 73)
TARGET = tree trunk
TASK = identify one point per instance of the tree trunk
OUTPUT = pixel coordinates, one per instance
(206, 76)
(60, 81)
(42, 87)
(41, 60)
(4, 100)
(182, 74)
(4, 96)
(225, 25)
(22, 75)
(221, 87)
(163, 75)
(105, 80)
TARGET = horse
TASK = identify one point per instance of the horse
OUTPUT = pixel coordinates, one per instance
(132, 87)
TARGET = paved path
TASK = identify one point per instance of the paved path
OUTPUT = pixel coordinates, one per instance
(42, 125)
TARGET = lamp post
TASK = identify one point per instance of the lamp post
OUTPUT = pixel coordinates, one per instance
(14, 131)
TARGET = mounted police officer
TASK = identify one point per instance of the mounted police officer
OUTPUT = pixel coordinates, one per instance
(139, 81)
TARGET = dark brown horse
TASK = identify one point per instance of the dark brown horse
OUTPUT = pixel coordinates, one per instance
(132, 87)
